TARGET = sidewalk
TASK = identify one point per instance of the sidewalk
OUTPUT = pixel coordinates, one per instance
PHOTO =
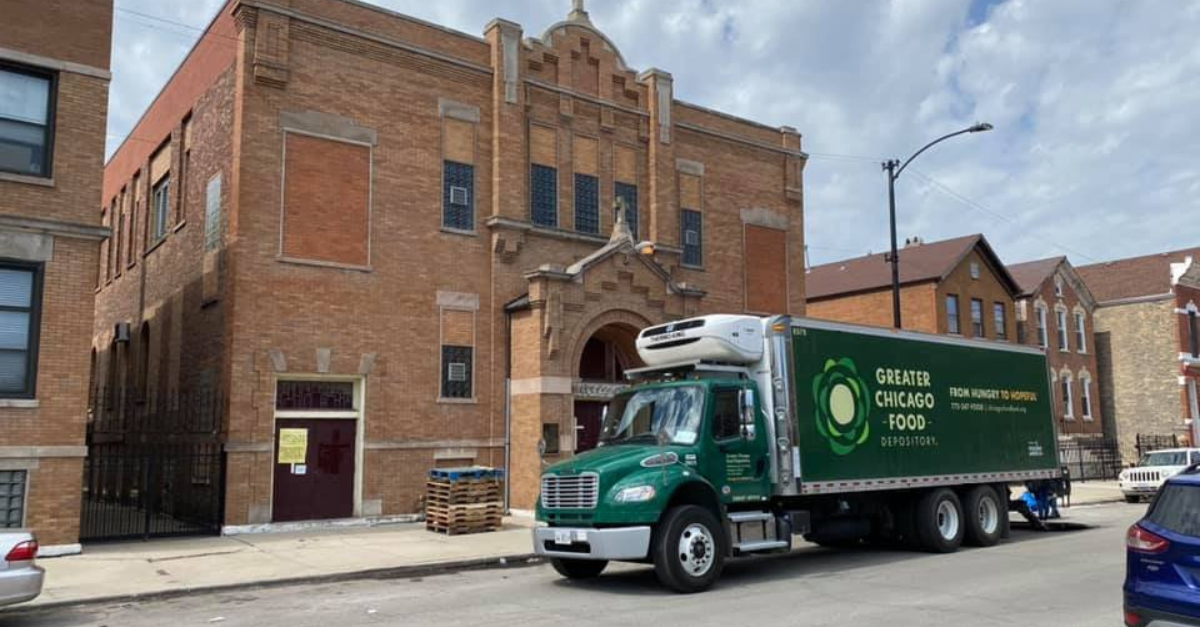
(1092, 492)
(136, 569)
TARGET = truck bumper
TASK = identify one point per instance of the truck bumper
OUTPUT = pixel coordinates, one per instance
(621, 543)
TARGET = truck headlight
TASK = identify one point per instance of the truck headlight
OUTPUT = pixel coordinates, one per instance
(635, 494)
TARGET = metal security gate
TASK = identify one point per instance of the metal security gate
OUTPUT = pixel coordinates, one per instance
(153, 469)
(1091, 459)
(1147, 443)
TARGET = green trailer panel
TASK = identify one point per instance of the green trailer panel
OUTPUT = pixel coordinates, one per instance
(881, 405)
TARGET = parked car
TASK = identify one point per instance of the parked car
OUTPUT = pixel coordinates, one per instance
(20, 577)
(1152, 469)
(1162, 567)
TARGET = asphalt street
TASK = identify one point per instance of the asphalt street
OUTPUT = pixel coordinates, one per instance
(1064, 578)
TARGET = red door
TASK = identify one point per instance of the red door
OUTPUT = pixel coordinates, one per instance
(323, 486)
(588, 415)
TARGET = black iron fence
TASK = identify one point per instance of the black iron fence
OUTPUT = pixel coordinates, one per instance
(1147, 443)
(1096, 459)
(155, 467)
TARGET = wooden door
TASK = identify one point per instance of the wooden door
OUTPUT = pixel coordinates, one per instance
(323, 486)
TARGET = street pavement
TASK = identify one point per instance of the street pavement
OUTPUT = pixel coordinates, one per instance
(1068, 578)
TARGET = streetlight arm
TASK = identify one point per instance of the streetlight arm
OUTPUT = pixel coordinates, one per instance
(984, 126)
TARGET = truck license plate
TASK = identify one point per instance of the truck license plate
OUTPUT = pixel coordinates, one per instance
(562, 537)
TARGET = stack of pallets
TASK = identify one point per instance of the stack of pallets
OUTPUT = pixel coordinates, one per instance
(464, 500)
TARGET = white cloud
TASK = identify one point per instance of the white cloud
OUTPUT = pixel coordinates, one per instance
(1093, 101)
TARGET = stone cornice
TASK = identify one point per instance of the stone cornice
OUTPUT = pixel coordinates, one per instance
(54, 227)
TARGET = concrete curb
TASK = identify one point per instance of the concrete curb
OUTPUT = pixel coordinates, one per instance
(520, 560)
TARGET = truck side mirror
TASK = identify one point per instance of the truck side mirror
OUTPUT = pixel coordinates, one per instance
(747, 414)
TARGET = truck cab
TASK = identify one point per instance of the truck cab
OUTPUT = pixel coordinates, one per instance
(680, 451)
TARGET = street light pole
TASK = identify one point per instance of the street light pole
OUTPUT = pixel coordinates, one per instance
(894, 168)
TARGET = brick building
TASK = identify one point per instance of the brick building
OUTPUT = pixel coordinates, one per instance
(956, 286)
(359, 228)
(1143, 328)
(54, 59)
(1055, 311)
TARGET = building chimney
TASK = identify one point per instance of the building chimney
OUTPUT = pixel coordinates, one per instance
(913, 241)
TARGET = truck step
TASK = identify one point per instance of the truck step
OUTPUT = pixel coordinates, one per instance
(747, 517)
(761, 545)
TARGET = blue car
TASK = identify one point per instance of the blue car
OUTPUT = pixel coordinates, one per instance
(1162, 572)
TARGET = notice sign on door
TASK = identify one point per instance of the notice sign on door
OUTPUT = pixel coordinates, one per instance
(293, 446)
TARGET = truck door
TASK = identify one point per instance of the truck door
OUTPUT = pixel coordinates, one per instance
(738, 466)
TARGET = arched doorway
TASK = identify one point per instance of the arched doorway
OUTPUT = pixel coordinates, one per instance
(605, 357)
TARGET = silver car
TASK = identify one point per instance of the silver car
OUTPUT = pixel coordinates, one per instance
(20, 577)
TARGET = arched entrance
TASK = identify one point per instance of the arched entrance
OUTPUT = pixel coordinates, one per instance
(600, 374)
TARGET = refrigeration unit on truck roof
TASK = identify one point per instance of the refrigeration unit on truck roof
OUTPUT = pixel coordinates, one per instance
(717, 339)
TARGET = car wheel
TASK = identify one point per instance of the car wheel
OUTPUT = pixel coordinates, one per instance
(1133, 498)
(688, 549)
(939, 521)
(578, 569)
(984, 516)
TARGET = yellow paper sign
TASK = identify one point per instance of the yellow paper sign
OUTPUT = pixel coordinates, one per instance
(293, 446)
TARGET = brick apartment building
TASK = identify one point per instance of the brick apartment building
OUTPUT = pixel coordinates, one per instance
(1055, 311)
(356, 227)
(54, 59)
(1145, 329)
(956, 286)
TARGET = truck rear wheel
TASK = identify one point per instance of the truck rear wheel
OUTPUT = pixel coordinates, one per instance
(578, 569)
(688, 549)
(939, 521)
(983, 515)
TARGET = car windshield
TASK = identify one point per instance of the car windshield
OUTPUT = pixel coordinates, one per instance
(1177, 508)
(643, 414)
(1164, 458)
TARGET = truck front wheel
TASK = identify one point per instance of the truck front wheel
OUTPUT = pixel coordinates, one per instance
(578, 569)
(939, 521)
(688, 549)
(984, 516)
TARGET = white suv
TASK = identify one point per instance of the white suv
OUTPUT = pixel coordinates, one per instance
(1153, 469)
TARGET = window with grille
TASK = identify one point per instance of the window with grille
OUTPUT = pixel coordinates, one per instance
(630, 194)
(543, 195)
(458, 206)
(12, 498)
(319, 395)
(587, 203)
(952, 321)
(456, 371)
(20, 306)
(162, 208)
(691, 222)
(1000, 319)
(977, 317)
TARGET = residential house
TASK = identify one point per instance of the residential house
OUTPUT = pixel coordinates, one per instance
(1144, 324)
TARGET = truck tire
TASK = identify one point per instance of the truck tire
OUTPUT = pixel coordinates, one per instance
(688, 549)
(939, 521)
(984, 516)
(578, 569)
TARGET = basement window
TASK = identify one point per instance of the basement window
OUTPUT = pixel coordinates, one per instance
(13, 485)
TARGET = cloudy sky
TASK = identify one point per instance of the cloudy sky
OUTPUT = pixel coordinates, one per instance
(1096, 152)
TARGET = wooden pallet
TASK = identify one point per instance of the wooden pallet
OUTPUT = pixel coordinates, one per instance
(457, 529)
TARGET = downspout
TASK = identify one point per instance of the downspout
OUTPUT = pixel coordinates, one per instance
(507, 408)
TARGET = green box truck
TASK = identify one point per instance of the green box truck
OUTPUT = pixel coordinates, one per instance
(742, 432)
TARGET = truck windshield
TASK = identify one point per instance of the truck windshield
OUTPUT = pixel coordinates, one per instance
(643, 414)
(1164, 458)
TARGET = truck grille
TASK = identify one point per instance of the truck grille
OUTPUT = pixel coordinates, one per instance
(1145, 475)
(574, 492)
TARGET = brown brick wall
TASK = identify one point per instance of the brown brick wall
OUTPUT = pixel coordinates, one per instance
(385, 324)
(765, 252)
(75, 33)
(326, 213)
(1143, 364)
(917, 309)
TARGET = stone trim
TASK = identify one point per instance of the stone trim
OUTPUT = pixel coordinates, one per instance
(19, 463)
(54, 227)
(760, 216)
(455, 453)
(249, 447)
(459, 111)
(587, 98)
(13, 177)
(20, 403)
(25, 58)
(541, 385)
(354, 32)
(327, 125)
(754, 143)
(10, 452)
(498, 222)
(1135, 299)
(733, 118)
(458, 300)
(386, 445)
(687, 166)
